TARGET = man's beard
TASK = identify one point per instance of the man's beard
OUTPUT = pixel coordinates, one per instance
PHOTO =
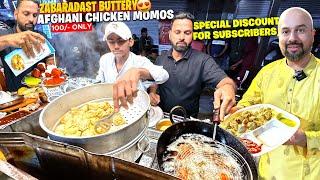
(26, 27)
(297, 55)
(180, 48)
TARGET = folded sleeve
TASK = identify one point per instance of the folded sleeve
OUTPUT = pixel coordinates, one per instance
(100, 76)
(158, 73)
(212, 74)
(313, 140)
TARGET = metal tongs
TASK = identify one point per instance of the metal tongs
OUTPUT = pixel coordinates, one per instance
(215, 121)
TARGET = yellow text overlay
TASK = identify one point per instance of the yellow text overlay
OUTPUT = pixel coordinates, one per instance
(235, 28)
(88, 6)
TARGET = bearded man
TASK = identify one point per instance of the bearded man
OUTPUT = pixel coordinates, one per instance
(189, 72)
(292, 84)
(22, 35)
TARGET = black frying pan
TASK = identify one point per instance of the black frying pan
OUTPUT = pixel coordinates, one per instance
(203, 128)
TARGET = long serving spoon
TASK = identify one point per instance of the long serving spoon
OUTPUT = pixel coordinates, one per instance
(215, 121)
(104, 124)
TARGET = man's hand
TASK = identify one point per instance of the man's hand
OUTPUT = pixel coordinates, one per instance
(125, 88)
(299, 138)
(226, 94)
(154, 98)
(235, 66)
(26, 40)
(234, 109)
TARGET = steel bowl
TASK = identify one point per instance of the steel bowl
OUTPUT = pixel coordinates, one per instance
(103, 143)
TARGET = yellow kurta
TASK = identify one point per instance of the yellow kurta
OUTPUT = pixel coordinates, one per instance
(275, 85)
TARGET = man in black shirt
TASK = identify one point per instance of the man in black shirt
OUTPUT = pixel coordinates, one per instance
(22, 35)
(189, 72)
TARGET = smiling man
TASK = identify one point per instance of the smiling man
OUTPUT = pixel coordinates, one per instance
(128, 71)
(292, 83)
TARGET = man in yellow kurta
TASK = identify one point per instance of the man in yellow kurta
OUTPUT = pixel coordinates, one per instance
(293, 84)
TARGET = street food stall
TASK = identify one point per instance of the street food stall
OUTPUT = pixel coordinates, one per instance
(142, 143)
(33, 145)
(61, 123)
(27, 146)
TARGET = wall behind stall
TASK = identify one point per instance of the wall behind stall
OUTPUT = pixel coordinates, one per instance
(153, 25)
(255, 8)
(249, 8)
(252, 8)
(313, 6)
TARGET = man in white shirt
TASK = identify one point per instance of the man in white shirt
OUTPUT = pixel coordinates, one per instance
(125, 69)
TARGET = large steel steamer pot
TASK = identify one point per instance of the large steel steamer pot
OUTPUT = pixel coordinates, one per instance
(103, 143)
(134, 149)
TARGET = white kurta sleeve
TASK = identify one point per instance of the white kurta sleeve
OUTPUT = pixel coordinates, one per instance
(100, 76)
(158, 73)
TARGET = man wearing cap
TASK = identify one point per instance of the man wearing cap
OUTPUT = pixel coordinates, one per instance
(124, 68)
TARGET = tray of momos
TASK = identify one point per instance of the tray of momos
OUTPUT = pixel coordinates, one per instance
(261, 127)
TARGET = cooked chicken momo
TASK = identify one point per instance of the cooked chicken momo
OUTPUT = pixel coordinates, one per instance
(80, 121)
(247, 120)
(118, 120)
(17, 62)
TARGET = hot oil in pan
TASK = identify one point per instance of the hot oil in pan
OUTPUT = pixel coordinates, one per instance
(192, 156)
